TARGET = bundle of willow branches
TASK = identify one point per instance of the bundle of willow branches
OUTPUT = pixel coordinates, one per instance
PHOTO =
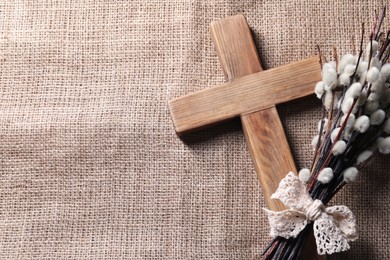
(354, 127)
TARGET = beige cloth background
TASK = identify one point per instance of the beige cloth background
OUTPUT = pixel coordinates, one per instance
(90, 165)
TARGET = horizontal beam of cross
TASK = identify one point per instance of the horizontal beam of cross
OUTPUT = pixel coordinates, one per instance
(243, 95)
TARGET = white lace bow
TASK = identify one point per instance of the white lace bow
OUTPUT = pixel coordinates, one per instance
(333, 226)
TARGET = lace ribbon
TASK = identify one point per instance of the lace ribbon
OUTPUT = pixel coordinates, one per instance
(333, 226)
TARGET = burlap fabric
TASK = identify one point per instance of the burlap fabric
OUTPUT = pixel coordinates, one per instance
(90, 165)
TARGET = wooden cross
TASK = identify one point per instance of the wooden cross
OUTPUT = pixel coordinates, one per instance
(251, 94)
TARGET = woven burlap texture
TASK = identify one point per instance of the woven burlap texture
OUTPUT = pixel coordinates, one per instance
(90, 166)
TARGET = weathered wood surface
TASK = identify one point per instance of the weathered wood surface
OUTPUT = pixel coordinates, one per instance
(252, 94)
(245, 94)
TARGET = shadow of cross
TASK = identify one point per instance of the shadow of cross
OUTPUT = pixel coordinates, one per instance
(251, 94)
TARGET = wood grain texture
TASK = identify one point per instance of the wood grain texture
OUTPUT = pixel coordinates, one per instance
(235, 47)
(270, 151)
(244, 95)
(263, 129)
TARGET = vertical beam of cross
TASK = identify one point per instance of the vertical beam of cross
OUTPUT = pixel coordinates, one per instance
(263, 129)
(252, 95)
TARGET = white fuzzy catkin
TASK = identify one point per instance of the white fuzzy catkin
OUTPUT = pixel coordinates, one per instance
(373, 97)
(379, 85)
(386, 126)
(363, 77)
(347, 104)
(344, 79)
(350, 174)
(325, 176)
(329, 75)
(334, 134)
(362, 68)
(377, 117)
(354, 90)
(364, 156)
(372, 105)
(344, 61)
(324, 126)
(350, 69)
(373, 74)
(304, 175)
(339, 148)
(328, 100)
(362, 123)
(319, 89)
(314, 141)
(350, 121)
(328, 88)
(385, 71)
(384, 145)
(371, 48)
(362, 98)
(376, 63)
